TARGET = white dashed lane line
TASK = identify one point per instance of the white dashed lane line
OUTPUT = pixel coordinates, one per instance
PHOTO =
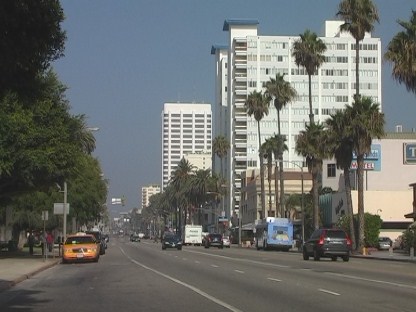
(238, 271)
(329, 292)
(274, 279)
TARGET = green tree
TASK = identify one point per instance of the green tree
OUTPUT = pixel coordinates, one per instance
(257, 105)
(366, 122)
(40, 142)
(359, 17)
(312, 143)
(401, 52)
(220, 147)
(340, 138)
(308, 52)
(30, 39)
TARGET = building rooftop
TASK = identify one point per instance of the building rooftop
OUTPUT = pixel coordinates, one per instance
(238, 22)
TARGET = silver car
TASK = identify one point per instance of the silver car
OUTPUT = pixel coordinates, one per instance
(384, 243)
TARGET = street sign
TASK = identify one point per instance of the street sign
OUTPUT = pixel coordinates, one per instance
(45, 215)
(58, 208)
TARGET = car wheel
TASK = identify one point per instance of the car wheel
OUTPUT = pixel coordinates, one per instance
(96, 259)
(305, 254)
(316, 256)
(346, 258)
(163, 247)
(206, 246)
(334, 258)
(179, 248)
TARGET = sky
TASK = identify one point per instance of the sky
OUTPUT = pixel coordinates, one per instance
(124, 59)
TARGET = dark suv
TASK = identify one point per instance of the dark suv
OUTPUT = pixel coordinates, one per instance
(100, 240)
(327, 243)
(214, 240)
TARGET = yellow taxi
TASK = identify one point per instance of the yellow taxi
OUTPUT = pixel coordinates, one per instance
(80, 247)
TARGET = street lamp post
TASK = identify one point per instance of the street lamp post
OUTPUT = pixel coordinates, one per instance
(64, 211)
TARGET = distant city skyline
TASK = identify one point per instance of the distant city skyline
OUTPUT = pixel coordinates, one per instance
(124, 60)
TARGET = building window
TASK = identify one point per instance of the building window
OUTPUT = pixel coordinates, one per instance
(331, 168)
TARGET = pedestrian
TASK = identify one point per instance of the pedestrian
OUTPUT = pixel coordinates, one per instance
(31, 242)
(49, 241)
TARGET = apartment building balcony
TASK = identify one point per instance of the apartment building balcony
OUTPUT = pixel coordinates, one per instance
(240, 77)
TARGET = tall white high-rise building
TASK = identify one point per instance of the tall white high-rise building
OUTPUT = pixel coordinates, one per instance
(186, 129)
(147, 192)
(251, 60)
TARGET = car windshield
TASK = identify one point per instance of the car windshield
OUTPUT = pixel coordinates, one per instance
(172, 237)
(336, 234)
(73, 240)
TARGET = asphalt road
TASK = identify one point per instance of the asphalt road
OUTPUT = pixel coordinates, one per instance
(141, 277)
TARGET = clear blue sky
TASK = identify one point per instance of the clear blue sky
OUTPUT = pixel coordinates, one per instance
(125, 58)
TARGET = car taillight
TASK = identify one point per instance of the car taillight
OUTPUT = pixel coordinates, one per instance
(349, 243)
(321, 240)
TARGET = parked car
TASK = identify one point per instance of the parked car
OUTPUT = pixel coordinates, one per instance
(100, 240)
(384, 243)
(214, 240)
(226, 241)
(327, 243)
(171, 240)
(80, 247)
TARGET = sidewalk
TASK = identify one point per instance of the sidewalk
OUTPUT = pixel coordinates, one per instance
(18, 266)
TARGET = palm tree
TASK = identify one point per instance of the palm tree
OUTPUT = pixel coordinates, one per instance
(274, 147)
(199, 184)
(401, 52)
(179, 180)
(342, 149)
(266, 151)
(257, 105)
(308, 53)
(366, 122)
(312, 144)
(281, 92)
(220, 148)
(359, 17)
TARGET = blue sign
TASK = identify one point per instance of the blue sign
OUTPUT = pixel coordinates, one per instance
(372, 160)
(409, 153)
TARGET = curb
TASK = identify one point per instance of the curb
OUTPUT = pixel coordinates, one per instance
(9, 284)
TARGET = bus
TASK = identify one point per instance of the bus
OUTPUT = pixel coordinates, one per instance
(274, 233)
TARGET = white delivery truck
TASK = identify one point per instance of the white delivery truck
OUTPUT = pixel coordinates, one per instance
(193, 235)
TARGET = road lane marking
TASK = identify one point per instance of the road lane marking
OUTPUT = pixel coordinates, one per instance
(371, 280)
(274, 279)
(214, 266)
(193, 288)
(329, 292)
(238, 271)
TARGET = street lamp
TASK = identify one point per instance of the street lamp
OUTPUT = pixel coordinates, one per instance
(65, 191)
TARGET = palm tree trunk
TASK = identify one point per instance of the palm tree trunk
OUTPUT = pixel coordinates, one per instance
(350, 211)
(310, 100)
(361, 221)
(269, 179)
(357, 67)
(276, 188)
(282, 187)
(263, 195)
(316, 170)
